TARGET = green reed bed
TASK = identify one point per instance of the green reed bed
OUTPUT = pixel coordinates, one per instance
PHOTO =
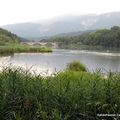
(66, 96)
(18, 48)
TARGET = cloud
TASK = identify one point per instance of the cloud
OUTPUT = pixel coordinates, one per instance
(14, 11)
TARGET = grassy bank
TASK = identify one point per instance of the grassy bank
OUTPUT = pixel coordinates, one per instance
(88, 47)
(10, 48)
(67, 96)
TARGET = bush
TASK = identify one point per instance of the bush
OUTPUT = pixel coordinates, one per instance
(76, 66)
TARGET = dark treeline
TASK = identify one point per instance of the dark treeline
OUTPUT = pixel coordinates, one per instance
(106, 38)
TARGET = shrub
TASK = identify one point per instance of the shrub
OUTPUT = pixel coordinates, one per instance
(76, 66)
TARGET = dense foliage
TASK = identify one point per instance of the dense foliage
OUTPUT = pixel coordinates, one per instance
(100, 39)
(76, 66)
(66, 96)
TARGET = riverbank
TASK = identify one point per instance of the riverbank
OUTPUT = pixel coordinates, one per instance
(66, 96)
(10, 48)
(89, 48)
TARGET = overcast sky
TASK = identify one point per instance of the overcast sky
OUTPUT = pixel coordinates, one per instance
(15, 11)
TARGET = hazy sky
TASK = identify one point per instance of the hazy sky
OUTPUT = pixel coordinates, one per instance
(15, 11)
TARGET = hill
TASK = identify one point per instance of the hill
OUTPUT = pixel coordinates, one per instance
(104, 38)
(66, 24)
(6, 36)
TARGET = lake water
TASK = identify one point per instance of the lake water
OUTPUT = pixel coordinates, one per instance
(48, 63)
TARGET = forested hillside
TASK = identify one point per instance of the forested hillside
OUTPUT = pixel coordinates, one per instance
(6, 36)
(105, 38)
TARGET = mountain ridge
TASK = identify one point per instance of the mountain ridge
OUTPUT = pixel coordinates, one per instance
(65, 25)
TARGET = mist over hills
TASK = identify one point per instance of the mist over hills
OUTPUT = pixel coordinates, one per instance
(64, 25)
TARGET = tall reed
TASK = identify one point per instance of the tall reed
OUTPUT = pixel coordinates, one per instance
(69, 95)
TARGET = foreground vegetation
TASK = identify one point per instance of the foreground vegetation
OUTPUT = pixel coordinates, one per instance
(69, 95)
(101, 39)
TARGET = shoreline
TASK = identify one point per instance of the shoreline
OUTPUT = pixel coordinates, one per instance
(96, 52)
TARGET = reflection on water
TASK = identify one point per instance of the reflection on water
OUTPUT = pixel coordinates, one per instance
(48, 63)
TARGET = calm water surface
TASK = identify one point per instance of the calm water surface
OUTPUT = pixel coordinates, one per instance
(48, 63)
